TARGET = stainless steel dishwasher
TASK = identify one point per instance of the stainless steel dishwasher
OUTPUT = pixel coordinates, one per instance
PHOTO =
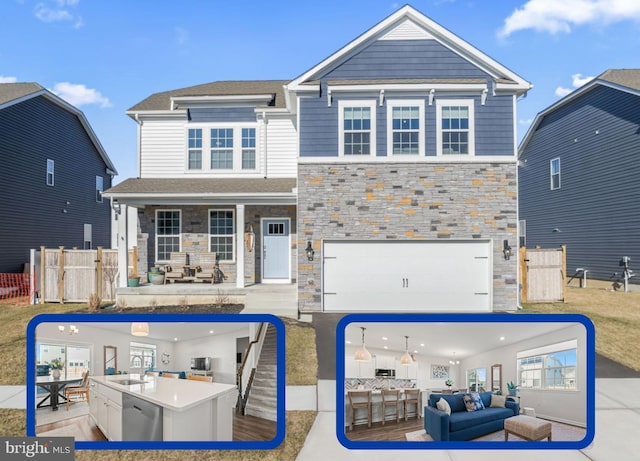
(141, 420)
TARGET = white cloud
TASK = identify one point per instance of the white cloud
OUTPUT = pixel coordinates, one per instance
(58, 11)
(577, 80)
(182, 35)
(79, 95)
(555, 16)
(527, 121)
(4, 79)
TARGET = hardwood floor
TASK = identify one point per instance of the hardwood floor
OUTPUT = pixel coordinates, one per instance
(245, 428)
(390, 431)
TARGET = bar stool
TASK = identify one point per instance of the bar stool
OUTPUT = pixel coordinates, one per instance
(393, 401)
(359, 399)
(412, 397)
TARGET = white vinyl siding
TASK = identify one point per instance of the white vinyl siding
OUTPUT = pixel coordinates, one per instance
(282, 147)
(162, 144)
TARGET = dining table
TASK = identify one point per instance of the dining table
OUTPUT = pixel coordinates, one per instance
(54, 387)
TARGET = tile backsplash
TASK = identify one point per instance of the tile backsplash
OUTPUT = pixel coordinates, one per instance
(378, 383)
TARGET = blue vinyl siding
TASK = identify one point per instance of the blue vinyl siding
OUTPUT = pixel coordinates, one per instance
(596, 209)
(227, 114)
(494, 131)
(32, 132)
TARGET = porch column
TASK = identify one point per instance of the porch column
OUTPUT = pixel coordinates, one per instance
(240, 246)
(123, 245)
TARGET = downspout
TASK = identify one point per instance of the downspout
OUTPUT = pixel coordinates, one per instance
(264, 122)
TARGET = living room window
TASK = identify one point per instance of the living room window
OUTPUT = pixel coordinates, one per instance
(222, 234)
(455, 127)
(477, 379)
(357, 133)
(554, 167)
(167, 233)
(550, 367)
(405, 127)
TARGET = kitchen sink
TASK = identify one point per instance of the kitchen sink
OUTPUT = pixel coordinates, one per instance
(128, 382)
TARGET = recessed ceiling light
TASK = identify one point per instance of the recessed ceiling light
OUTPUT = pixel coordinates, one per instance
(502, 338)
(422, 345)
(175, 339)
(210, 332)
(348, 342)
(386, 347)
(415, 352)
(384, 338)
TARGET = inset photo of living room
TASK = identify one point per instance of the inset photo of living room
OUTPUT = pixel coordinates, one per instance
(155, 380)
(430, 382)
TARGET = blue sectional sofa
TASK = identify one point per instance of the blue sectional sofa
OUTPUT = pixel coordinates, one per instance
(462, 424)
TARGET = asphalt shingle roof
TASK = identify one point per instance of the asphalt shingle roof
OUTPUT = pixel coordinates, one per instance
(203, 186)
(162, 101)
(625, 77)
(11, 91)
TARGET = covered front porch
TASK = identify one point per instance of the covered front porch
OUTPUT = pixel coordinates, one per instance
(248, 224)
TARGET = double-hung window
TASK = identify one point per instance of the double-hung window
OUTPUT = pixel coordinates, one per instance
(222, 148)
(357, 127)
(551, 367)
(195, 149)
(554, 167)
(222, 234)
(248, 148)
(405, 127)
(50, 172)
(455, 127)
(167, 233)
(99, 188)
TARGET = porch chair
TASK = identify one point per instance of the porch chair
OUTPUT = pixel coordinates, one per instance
(208, 268)
(175, 269)
(75, 394)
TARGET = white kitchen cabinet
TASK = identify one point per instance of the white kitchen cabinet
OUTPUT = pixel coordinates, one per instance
(406, 371)
(101, 417)
(355, 369)
(114, 421)
(386, 362)
(105, 408)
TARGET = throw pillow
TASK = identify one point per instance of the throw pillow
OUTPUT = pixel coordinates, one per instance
(497, 401)
(473, 402)
(443, 405)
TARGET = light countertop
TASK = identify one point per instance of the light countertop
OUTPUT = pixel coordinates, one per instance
(173, 394)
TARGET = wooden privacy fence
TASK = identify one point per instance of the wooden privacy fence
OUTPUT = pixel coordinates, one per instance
(72, 275)
(543, 272)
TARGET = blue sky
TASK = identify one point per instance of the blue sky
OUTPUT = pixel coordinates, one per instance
(105, 56)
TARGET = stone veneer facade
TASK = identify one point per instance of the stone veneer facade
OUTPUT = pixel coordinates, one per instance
(195, 237)
(407, 201)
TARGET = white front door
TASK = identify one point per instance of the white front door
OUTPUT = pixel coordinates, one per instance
(276, 257)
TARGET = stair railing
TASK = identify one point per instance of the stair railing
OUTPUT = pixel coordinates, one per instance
(243, 390)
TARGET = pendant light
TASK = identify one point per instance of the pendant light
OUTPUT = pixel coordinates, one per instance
(454, 361)
(406, 357)
(362, 354)
(140, 329)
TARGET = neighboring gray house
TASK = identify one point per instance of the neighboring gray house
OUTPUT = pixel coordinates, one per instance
(579, 176)
(384, 178)
(54, 170)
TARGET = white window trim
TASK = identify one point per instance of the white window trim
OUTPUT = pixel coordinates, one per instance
(344, 103)
(551, 174)
(237, 147)
(99, 190)
(53, 172)
(571, 344)
(421, 132)
(470, 103)
(156, 231)
(202, 150)
(232, 235)
(486, 380)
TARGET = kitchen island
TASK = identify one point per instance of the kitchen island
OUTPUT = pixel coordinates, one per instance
(376, 408)
(168, 409)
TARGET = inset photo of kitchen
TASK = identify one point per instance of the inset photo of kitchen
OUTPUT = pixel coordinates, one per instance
(428, 380)
(157, 379)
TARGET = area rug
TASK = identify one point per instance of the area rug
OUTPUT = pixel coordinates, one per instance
(560, 432)
(46, 416)
(66, 431)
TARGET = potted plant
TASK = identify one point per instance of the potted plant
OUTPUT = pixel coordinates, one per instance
(133, 280)
(156, 276)
(512, 387)
(449, 383)
(56, 365)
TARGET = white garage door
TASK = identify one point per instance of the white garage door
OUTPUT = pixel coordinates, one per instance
(416, 276)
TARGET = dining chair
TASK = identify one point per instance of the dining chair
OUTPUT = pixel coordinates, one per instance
(390, 397)
(359, 400)
(76, 394)
(208, 379)
(447, 391)
(170, 375)
(152, 374)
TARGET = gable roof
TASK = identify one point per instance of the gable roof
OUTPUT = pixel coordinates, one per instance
(163, 101)
(627, 80)
(408, 18)
(15, 93)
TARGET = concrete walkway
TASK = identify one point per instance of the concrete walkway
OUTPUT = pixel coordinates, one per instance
(616, 436)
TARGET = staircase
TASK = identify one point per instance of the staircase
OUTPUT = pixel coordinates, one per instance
(262, 401)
